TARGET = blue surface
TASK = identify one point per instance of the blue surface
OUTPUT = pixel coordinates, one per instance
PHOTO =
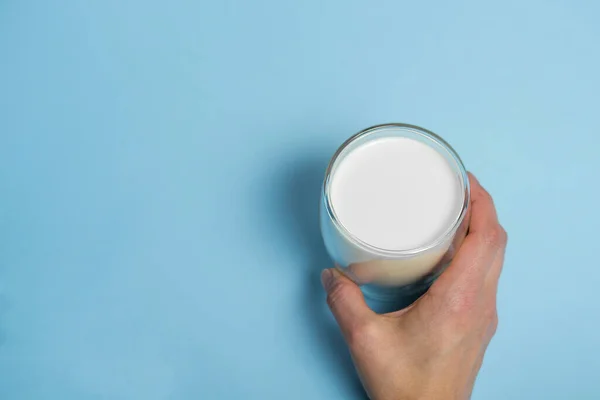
(159, 172)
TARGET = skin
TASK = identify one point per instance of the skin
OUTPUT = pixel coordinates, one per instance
(434, 348)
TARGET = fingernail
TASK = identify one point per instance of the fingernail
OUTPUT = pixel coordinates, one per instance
(326, 279)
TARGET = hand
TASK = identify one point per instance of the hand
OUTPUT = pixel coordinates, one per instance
(434, 348)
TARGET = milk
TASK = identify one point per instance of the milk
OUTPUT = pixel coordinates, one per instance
(395, 193)
(394, 200)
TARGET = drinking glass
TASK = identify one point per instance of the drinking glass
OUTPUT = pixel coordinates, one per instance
(386, 274)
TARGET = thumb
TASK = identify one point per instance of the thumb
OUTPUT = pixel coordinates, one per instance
(346, 302)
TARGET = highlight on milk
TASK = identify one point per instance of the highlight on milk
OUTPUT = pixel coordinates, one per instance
(394, 208)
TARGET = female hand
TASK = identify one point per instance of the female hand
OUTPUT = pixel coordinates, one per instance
(434, 348)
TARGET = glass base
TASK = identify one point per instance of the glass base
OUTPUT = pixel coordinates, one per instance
(383, 299)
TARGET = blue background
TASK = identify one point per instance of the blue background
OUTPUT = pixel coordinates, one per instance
(160, 166)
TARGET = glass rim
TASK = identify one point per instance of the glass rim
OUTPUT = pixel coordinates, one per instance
(427, 135)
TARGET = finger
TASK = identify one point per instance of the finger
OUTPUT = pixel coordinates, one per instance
(493, 276)
(465, 277)
(484, 223)
(483, 211)
(478, 254)
(346, 302)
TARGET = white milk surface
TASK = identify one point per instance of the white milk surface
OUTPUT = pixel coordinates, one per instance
(395, 193)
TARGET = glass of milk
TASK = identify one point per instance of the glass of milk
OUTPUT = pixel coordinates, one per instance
(394, 209)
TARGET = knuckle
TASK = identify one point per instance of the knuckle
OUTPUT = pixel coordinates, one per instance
(491, 315)
(485, 195)
(495, 236)
(495, 323)
(504, 235)
(491, 319)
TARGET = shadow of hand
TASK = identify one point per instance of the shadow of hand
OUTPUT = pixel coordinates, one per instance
(301, 188)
